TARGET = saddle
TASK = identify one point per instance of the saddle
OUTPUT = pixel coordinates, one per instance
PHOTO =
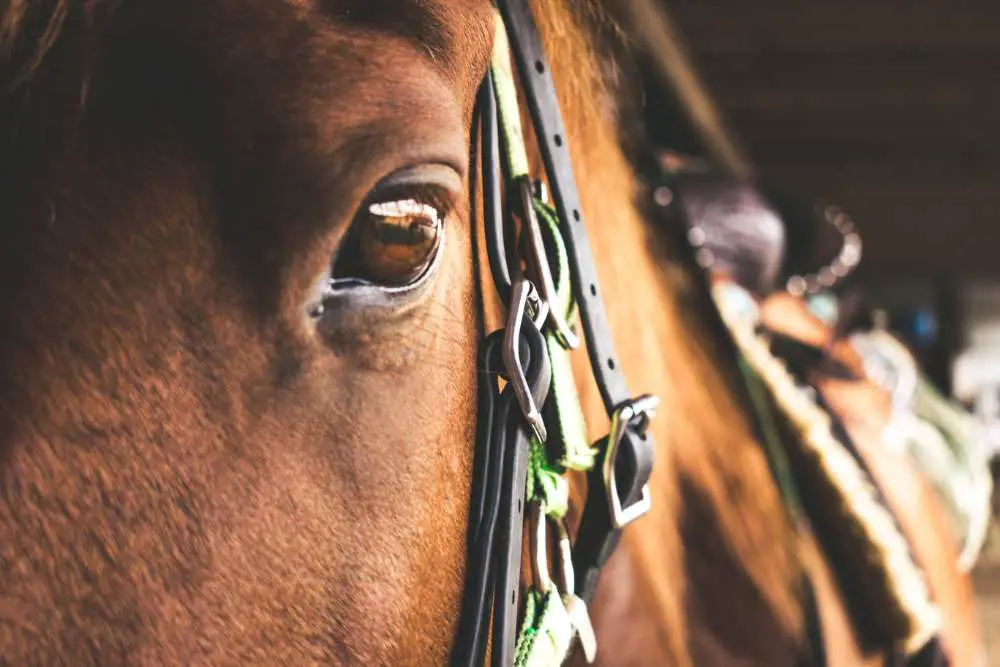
(816, 465)
(945, 442)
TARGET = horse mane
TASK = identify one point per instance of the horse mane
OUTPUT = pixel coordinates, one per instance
(13, 17)
(28, 29)
(711, 446)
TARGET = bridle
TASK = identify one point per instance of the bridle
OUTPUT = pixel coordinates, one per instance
(531, 432)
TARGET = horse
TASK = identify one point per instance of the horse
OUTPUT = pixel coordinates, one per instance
(205, 460)
(755, 246)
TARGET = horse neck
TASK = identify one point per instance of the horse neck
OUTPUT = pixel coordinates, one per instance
(704, 445)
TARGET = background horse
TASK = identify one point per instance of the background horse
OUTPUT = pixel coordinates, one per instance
(205, 460)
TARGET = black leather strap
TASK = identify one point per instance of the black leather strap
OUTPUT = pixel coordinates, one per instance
(497, 510)
(496, 247)
(509, 534)
(497, 506)
(485, 509)
(597, 537)
(551, 135)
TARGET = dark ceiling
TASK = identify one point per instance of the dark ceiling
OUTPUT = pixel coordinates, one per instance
(891, 109)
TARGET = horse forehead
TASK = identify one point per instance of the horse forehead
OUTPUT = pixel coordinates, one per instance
(448, 30)
(335, 66)
(324, 40)
(455, 35)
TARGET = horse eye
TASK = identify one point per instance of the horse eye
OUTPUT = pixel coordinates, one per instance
(392, 243)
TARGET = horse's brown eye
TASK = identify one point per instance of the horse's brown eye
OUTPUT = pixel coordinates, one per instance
(396, 241)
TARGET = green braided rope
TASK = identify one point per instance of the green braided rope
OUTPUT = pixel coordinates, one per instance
(573, 448)
(507, 107)
(547, 638)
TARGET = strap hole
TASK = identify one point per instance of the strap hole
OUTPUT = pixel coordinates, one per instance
(539, 67)
(513, 597)
(557, 139)
(519, 510)
(593, 289)
(576, 214)
(611, 364)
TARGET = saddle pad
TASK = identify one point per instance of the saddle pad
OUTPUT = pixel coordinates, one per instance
(885, 589)
(942, 440)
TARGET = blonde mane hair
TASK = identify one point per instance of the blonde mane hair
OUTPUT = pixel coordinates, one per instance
(702, 436)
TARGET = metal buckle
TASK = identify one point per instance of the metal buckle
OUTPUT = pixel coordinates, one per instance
(576, 608)
(538, 261)
(523, 296)
(643, 409)
(539, 549)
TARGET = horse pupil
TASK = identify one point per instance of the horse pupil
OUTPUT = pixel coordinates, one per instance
(396, 249)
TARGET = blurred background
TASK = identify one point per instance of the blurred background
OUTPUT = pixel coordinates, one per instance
(890, 109)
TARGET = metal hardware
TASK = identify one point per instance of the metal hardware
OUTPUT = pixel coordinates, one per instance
(523, 298)
(579, 618)
(844, 263)
(539, 549)
(541, 191)
(538, 262)
(641, 409)
(540, 556)
(566, 559)
(576, 608)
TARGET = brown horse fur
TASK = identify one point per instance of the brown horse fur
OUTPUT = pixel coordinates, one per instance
(191, 473)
